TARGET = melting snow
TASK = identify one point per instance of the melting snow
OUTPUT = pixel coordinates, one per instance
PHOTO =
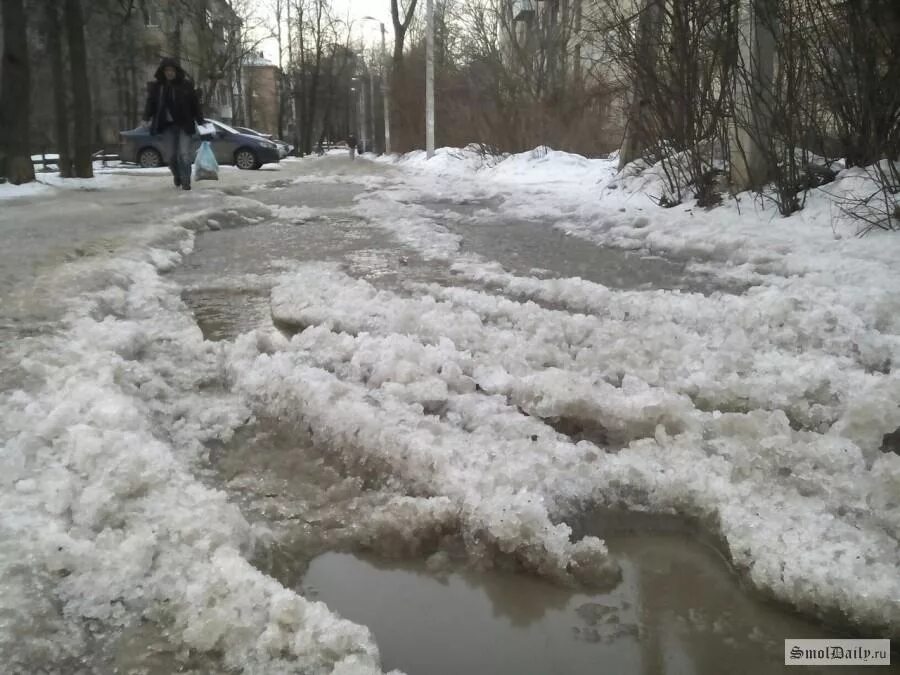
(760, 414)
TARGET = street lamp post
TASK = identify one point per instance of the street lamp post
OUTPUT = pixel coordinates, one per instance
(385, 87)
(429, 79)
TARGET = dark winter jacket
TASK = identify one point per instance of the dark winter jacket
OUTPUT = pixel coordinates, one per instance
(351, 141)
(178, 98)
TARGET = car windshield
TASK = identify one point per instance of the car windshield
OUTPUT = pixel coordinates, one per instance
(224, 127)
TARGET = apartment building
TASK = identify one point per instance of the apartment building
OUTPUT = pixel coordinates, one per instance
(260, 93)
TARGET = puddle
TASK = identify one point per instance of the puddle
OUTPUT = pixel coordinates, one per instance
(538, 249)
(225, 314)
(229, 273)
(309, 194)
(308, 499)
(678, 610)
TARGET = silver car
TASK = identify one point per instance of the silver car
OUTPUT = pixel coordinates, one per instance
(230, 146)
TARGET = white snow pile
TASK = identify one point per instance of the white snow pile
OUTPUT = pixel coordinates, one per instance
(412, 406)
(732, 410)
(546, 183)
(34, 189)
(102, 512)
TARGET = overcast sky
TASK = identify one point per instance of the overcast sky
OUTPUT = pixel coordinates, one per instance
(355, 9)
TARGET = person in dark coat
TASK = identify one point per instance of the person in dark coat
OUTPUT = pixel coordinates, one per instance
(351, 143)
(173, 110)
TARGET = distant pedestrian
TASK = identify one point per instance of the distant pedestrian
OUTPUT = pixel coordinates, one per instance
(351, 143)
(173, 110)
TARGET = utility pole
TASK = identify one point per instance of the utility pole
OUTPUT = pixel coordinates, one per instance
(429, 79)
(386, 95)
(292, 84)
(281, 78)
(753, 93)
(353, 110)
(372, 106)
(362, 116)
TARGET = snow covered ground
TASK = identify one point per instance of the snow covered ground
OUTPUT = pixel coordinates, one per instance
(760, 414)
(763, 414)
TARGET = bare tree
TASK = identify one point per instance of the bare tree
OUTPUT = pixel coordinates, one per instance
(340, 63)
(278, 10)
(855, 53)
(678, 59)
(15, 91)
(855, 50)
(53, 34)
(322, 58)
(317, 32)
(506, 77)
(401, 20)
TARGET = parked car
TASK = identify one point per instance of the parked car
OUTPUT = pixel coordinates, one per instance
(245, 151)
(284, 148)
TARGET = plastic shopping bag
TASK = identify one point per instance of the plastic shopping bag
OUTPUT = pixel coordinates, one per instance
(205, 166)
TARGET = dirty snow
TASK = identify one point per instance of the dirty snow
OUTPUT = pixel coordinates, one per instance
(760, 414)
(99, 492)
(782, 394)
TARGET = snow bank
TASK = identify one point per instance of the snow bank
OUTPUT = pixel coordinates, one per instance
(98, 491)
(762, 414)
(546, 182)
(10, 191)
(45, 183)
(731, 409)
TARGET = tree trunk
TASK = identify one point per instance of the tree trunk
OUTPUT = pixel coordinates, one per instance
(237, 101)
(309, 117)
(81, 92)
(637, 131)
(300, 106)
(15, 93)
(55, 47)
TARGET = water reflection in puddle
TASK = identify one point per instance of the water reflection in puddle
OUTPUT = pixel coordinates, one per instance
(678, 610)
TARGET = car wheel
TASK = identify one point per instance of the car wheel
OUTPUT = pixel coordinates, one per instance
(149, 158)
(246, 159)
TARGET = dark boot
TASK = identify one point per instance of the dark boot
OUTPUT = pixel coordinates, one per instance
(177, 180)
(186, 185)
